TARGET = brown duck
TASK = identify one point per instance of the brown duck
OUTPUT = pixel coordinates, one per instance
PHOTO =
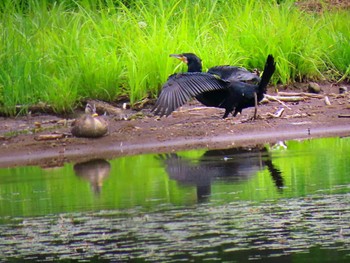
(90, 125)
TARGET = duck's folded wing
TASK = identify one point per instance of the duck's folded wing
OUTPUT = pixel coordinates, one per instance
(180, 88)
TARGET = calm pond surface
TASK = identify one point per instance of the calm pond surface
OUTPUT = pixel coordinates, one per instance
(281, 203)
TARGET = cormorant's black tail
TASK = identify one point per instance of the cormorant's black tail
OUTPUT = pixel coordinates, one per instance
(269, 69)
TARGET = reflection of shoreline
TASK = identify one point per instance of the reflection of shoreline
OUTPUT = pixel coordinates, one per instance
(94, 171)
(230, 165)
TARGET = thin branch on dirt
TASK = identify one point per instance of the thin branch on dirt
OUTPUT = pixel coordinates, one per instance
(288, 98)
(142, 103)
(277, 114)
(278, 99)
(297, 115)
(300, 94)
(344, 116)
(46, 137)
(342, 95)
(306, 95)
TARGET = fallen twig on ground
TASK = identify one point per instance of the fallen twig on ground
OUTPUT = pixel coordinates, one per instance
(297, 115)
(286, 98)
(275, 98)
(300, 94)
(277, 114)
(344, 116)
(46, 137)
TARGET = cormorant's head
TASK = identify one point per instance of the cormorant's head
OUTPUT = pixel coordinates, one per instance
(193, 62)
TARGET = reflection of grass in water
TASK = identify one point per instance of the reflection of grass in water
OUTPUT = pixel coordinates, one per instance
(142, 181)
(60, 53)
(312, 165)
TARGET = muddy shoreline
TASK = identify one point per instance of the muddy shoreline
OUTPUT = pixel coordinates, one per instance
(193, 126)
(57, 156)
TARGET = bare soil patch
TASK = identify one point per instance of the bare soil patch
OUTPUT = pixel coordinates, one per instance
(192, 126)
(320, 6)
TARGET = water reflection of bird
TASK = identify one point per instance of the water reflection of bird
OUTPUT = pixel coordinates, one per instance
(231, 165)
(185, 172)
(94, 171)
(212, 90)
(90, 125)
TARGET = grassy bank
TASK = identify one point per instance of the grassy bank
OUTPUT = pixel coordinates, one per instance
(60, 53)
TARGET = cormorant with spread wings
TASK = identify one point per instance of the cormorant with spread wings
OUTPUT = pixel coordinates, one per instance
(212, 90)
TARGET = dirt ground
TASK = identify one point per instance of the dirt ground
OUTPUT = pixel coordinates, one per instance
(192, 126)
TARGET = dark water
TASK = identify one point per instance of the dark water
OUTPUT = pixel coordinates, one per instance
(280, 203)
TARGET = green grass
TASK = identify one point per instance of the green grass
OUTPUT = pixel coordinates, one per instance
(61, 53)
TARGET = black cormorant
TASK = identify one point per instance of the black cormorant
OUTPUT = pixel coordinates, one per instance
(225, 72)
(212, 91)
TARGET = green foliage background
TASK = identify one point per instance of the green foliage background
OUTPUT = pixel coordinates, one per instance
(60, 52)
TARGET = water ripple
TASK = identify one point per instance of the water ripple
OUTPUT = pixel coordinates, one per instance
(242, 230)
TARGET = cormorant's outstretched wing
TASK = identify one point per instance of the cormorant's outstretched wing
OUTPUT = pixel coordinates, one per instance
(180, 88)
(232, 73)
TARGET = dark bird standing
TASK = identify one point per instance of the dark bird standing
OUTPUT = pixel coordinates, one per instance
(225, 72)
(212, 90)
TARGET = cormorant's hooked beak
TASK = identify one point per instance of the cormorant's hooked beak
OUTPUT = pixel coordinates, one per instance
(180, 57)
